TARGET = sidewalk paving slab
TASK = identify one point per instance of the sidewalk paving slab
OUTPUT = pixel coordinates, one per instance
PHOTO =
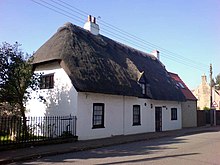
(34, 152)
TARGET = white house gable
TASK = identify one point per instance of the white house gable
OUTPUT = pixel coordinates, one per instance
(58, 99)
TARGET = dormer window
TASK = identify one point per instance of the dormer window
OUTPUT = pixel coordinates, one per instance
(142, 81)
(148, 90)
(143, 87)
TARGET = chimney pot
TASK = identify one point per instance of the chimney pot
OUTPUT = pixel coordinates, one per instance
(89, 18)
(93, 19)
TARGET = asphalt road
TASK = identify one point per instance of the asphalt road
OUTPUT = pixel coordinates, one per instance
(196, 149)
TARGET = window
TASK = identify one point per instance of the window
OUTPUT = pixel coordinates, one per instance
(173, 113)
(143, 87)
(136, 115)
(180, 85)
(148, 90)
(47, 81)
(98, 115)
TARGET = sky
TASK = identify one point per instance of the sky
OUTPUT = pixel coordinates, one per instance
(186, 32)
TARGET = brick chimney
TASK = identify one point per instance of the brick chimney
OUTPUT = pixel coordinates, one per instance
(91, 25)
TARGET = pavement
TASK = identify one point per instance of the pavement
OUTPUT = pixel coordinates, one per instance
(24, 154)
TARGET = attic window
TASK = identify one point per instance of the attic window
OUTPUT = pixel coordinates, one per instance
(143, 87)
(148, 90)
(47, 81)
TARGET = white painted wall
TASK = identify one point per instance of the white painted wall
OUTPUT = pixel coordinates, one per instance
(147, 116)
(60, 101)
(167, 123)
(118, 118)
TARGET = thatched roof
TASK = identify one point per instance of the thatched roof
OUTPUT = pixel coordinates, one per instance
(98, 64)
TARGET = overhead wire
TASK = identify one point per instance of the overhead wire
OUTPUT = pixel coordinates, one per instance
(148, 43)
(120, 34)
(57, 11)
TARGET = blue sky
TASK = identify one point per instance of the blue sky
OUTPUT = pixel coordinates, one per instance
(186, 32)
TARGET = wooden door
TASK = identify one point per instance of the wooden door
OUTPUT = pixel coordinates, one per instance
(158, 119)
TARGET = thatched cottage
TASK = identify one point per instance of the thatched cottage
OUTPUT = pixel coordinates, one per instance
(111, 88)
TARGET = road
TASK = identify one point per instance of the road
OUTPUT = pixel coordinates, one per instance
(196, 149)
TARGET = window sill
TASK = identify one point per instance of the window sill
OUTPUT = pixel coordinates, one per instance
(97, 127)
(136, 124)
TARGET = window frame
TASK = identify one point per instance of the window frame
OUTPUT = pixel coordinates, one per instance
(94, 116)
(136, 116)
(174, 114)
(47, 81)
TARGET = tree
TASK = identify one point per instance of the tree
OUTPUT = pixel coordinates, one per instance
(217, 81)
(16, 75)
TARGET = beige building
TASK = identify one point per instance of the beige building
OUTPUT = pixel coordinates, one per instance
(202, 93)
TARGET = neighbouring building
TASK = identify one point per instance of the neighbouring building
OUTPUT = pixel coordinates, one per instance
(189, 107)
(202, 93)
(111, 88)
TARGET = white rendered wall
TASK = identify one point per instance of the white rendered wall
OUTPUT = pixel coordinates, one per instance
(113, 111)
(147, 116)
(167, 123)
(60, 101)
(118, 115)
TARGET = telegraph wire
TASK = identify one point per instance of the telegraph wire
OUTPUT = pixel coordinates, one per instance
(148, 43)
(123, 35)
(71, 8)
(173, 58)
(79, 11)
(57, 11)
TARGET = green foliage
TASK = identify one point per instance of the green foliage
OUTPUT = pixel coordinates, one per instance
(16, 75)
(217, 82)
(206, 108)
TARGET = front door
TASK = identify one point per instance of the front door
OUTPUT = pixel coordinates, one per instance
(158, 119)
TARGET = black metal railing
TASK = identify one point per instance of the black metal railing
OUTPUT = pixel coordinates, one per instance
(14, 130)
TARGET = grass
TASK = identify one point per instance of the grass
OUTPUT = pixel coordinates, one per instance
(5, 138)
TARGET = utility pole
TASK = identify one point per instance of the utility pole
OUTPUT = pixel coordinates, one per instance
(210, 86)
(212, 111)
